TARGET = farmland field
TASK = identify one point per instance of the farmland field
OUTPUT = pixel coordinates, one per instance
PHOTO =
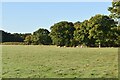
(24, 61)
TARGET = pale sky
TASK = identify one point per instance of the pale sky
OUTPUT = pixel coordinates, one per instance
(22, 17)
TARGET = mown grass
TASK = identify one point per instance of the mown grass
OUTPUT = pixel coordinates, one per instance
(22, 61)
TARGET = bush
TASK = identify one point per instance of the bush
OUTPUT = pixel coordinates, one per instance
(13, 43)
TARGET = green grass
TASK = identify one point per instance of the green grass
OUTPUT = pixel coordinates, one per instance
(22, 61)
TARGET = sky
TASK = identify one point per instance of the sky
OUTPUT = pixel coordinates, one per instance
(27, 17)
(57, 0)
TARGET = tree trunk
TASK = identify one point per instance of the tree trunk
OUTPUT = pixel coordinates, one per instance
(99, 45)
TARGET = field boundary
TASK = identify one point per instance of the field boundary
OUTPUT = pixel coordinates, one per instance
(119, 63)
(60, 79)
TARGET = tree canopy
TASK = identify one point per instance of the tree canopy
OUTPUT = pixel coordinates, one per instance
(62, 33)
(115, 11)
(101, 29)
(41, 36)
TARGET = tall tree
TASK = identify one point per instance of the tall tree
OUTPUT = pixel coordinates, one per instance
(81, 33)
(41, 36)
(101, 30)
(115, 10)
(62, 33)
(115, 13)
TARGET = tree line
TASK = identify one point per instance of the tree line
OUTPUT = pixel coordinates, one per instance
(15, 37)
(99, 30)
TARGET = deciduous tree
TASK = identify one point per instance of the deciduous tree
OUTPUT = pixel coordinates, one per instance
(62, 33)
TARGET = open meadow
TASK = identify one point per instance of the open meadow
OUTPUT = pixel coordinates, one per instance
(35, 61)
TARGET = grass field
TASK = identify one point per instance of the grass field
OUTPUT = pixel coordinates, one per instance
(23, 61)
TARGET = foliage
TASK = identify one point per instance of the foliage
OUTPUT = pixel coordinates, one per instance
(28, 39)
(62, 33)
(101, 30)
(97, 31)
(23, 36)
(13, 43)
(8, 37)
(81, 33)
(41, 36)
(115, 11)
